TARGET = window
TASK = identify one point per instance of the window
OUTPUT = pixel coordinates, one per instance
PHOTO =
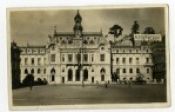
(63, 70)
(92, 70)
(147, 50)
(92, 57)
(102, 57)
(26, 71)
(147, 70)
(52, 57)
(70, 57)
(70, 42)
(147, 60)
(85, 42)
(78, 57)
(32, 61)
(137, 60)
(85, 57)
(70, 75)
(102, 48)
(77, 75)
(124, 60)
(39, 71)
(130, 70)
(32, 71)
(124, 70)
(85, 75)
(44, 71)
(44, 60)
(131, 78)
(137, 70)
(130, 60)
(26, 61)
(39, 61)
(130, 50)
(63, 59)
(117, 70)
(117, 60)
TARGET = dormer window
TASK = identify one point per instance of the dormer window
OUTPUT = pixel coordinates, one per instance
(63, 42)
(70, 42)
(85, 42)
(91, 42)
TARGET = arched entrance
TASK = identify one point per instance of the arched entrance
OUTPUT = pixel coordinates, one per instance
(52, 74)
(102, 71)
(77, 75)
(70, 75)
(85, 75)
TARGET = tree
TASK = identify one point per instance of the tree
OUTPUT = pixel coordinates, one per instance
(149, 30)
(15, 64)
(115, 76)
(139, 79)
(29, 80)
(116, 30)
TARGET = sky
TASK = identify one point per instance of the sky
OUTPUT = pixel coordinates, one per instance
(33, 27)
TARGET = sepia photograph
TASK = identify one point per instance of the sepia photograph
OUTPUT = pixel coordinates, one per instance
(83, 57)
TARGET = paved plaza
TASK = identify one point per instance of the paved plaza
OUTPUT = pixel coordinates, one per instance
(71, 94)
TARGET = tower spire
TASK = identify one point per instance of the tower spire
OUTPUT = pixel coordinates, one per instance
(77, 27)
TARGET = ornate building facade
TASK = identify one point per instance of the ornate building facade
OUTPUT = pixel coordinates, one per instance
(85, 57)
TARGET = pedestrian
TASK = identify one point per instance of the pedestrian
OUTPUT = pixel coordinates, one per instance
(106, 85)
(97, 84)
(82, 83)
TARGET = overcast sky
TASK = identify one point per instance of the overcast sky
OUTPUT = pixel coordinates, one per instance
(33, 27)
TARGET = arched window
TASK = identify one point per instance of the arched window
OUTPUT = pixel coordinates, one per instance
(39, 71)
(77, 75)
(52, 71)
(26, 71)
(32, 71)
(70, 75)
(102, 70)
(85, 42)
(52, 74)
(85, 75)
